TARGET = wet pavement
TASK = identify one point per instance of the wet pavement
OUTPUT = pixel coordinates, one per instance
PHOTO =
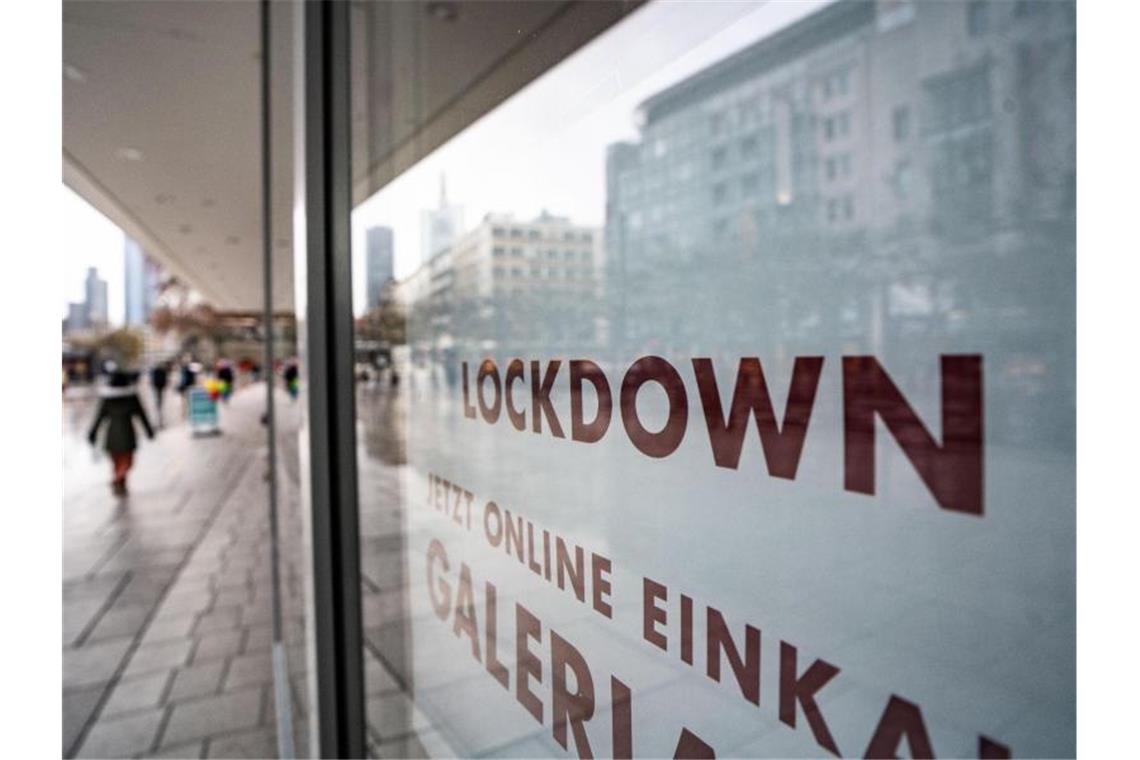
(166, 592)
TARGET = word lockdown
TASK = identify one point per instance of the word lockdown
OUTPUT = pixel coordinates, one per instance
(952, 470)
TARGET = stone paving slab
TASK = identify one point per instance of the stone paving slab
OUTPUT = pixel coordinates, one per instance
(166, 638)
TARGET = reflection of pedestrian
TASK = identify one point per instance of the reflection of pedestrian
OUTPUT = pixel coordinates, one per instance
(118, 406)
(187, 377)
(290, 378)
(225, 374)
(158, 378)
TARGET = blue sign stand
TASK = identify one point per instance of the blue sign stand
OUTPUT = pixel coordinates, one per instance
(203, 412)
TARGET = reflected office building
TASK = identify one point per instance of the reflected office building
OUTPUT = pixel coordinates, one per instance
(887, 173)
(497, 277)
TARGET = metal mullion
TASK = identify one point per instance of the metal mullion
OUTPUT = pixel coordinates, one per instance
(329, 387)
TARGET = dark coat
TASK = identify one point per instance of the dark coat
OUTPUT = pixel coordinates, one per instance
(118, 410)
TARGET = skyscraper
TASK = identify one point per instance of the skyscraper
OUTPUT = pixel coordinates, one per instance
(95, 298)
(378, 265)
(140, 283)
(439, 227)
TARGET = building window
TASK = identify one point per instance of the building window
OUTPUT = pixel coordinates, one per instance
(516, 253)
(716, 123)
(829, 169)
(748, 145)
(900, 123)
(848, 207)
(516, 233)
(719, 193)
(497, 251)
(828, 129)
(978, 18)
(718, 157)
(958, 99)
(497, 231)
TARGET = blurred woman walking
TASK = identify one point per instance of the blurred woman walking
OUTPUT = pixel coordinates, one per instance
(118, 406)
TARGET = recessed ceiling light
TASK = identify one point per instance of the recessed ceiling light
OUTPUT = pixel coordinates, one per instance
(233, 240)
(163, 198)
(129, 154)
(444, 10)
(185, 229)
(207, 203)
(74, 73)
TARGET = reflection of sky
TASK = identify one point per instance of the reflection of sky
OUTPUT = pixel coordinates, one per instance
(545, 147)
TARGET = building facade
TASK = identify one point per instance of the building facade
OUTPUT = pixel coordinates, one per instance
(378, 265)
(893, 146)
(141, 281)
(95, 299)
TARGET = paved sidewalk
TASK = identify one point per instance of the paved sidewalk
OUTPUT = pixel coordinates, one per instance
(166, 593)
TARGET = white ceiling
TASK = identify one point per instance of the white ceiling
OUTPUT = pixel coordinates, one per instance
(178, 83)
(161, 108)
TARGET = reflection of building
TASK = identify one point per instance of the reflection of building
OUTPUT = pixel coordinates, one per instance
(140, 284)
(76, 318)
(548, 255)
(91, 312)
(95, 298)
(498, 276)
(874, 141)
(378, 264)
(439, 226)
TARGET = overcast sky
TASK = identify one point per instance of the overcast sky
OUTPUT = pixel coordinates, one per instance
(90, 240)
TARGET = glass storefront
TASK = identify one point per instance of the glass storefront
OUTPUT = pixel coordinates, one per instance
(715, 378)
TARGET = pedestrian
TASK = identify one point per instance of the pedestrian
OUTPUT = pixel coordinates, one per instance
(225, 374)
(159, 375)
(118, 406)
(187, 378)
(290, 375)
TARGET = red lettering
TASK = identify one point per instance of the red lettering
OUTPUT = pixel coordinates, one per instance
(527, 626)
(953, 471)
(497, 670)
(747, 670)
(803, 691)
(568, 708)
(665, 441)
(540, 398)
(580, 430)
(514, 372)
(651, 614)
(900, 719)
(465, 611)
(436, 552)
(490, 412)
(782, 444)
